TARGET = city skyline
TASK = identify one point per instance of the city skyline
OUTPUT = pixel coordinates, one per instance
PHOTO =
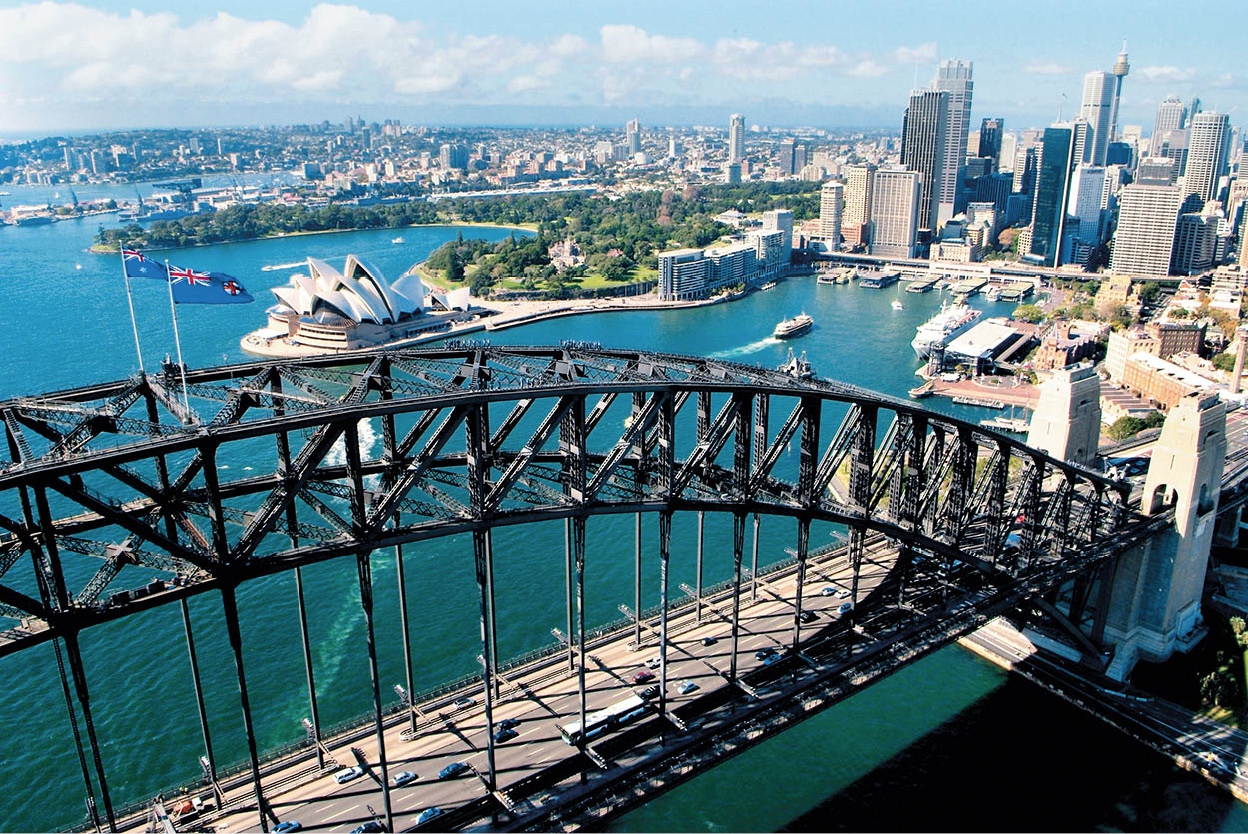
(67, 67)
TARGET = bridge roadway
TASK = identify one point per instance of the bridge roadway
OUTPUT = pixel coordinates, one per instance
(542, 698)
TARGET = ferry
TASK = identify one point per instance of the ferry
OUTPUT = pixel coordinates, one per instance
(795, 326)
(944, 327)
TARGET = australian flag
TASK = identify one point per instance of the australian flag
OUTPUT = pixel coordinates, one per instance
(138, 265)
(191, 287)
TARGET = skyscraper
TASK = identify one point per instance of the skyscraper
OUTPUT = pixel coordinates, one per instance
(954, 77)
(1144, 238)
(632, 135)
(1097, 111)
(831, 199)
(859, 189)
(786, 154)
(894, 212)
(991, 132)
(1049, 206)
(736, 137)
(1171, 115)
(924, 133)
(1208, 136)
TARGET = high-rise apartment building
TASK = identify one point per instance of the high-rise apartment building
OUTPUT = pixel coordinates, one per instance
(895, 199)
(856, 218)
(632, 135)
(831, 202)
(1208, 136)
(953, 77)
(780, 220)
(1049, 206)
(991, 132)
(1171, 115)
(786, 157)
(736, 137)
(924, 135)
(1097, 110)
(1144, 237)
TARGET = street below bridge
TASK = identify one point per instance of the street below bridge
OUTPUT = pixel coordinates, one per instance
(545, 695)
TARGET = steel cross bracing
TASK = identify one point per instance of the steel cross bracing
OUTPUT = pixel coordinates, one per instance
(101, 481)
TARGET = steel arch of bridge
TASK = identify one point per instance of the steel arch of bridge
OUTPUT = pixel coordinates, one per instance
(473, 437)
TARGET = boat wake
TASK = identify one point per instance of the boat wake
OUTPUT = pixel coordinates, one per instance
(745, 350)
(274, 267)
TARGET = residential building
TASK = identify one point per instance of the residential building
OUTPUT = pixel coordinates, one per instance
(781, 220)
(831, 202)
(894, 215)
(856, 219)
(736, 137)
(632, 136)
(683, 274)
(1144, 237)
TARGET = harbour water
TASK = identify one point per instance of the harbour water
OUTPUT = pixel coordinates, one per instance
(65, 326)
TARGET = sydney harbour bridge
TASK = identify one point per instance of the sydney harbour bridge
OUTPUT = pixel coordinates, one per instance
(943, 525)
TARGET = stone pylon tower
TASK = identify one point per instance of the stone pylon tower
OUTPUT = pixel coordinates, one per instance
(1154, 605)
(1067, 421)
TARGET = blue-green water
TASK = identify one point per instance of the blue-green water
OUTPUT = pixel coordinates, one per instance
(65, 326)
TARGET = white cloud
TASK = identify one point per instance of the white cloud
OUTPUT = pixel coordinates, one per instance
(924, 53)
(867, 68)
(632, 44)
(528, 83)
(1047, 68)
(1164, 73)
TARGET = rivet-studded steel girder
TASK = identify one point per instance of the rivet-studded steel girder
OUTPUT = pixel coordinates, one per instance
(116, 474)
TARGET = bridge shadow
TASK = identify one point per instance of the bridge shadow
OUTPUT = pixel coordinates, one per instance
(1005, 763)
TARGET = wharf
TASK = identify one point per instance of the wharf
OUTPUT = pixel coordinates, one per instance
(921, 285)
(970, 286)
(973, 392)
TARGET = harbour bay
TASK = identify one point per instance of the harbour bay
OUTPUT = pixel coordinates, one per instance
(67, 326)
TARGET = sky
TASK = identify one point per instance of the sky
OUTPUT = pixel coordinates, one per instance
(75, 67)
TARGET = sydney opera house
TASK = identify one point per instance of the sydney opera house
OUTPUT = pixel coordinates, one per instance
(326, 311)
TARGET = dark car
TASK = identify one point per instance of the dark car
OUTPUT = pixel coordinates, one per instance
(643, 676)
(709, 641)
(508, 724)
(649, 692)
(288, 825)
(763, 654)
(807, 616)
(504, 735)
(370, 827)
(428, 814)
(452, 770)
(772, 658)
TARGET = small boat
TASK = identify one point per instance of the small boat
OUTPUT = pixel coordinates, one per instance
(797, 366)
(795, 326)
(396, 239)
(897, 305)
(769, 285)
(924, 390)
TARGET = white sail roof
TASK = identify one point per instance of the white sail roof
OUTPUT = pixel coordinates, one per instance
(359, 292)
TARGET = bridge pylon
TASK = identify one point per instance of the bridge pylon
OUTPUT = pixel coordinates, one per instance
(1067, 420)
(1154, 605)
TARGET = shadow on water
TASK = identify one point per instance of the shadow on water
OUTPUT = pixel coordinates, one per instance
(1021, 759)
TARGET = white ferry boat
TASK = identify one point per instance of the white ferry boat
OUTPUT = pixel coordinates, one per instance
(795, 326)
(944, 327)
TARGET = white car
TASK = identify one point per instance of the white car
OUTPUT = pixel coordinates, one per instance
(655, 662)
(685, 687)
(348, 774)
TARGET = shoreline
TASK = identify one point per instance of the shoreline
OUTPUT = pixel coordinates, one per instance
(521, 313)
(96, 249)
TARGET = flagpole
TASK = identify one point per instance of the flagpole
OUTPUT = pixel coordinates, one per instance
(173, 314)
(130, 300)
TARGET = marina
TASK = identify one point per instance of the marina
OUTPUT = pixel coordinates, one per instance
(879, 280)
